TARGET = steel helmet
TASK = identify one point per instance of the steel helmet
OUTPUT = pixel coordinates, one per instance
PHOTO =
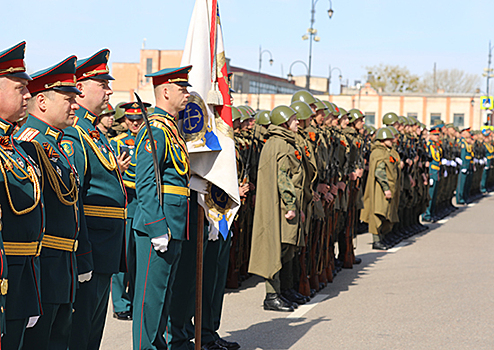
(236, 114)
(246, 115)
(393, 130)
(281, 114)
(303, 110)
(343, 112)
(402, 120)
(332, 108)
(390, 118)
(354, 114)
(384, 133)
(305, 96)
(262, 118)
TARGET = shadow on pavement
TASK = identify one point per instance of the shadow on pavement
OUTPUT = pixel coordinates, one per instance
(276, 334)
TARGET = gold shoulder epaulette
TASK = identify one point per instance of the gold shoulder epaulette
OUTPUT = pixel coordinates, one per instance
(119, 137)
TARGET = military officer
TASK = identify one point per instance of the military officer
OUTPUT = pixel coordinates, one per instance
(104, 201)
(22, 220)
(123, 283)
(489, 155)
(160, 229)
(52, 109)
(278, 214)
(466, 165)
(435, 152)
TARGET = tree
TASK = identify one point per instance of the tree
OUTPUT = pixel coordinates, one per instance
(451, 81)
(391, 78)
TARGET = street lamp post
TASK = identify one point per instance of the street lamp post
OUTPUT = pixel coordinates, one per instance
(488, 72)
(259, 76)
(311, 33)
(329, 79)
(290, 75)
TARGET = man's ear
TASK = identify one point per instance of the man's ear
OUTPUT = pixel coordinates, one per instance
(80, 86)
(41, 101)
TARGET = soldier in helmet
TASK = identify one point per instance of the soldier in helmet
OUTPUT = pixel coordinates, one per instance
(278, 216)
(105, 122)
(382, 191)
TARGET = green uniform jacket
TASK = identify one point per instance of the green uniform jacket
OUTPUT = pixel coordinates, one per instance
(24, 295)
(377, 209)
(271, 228)
(173, 159)
(58, 267)
(101, 186)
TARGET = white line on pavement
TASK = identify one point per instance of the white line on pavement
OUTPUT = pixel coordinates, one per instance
(303, 309)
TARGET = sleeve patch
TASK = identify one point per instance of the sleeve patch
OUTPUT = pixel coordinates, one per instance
(68, 147)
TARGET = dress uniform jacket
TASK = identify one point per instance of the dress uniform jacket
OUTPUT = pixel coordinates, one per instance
(103, 195)
(58, 261)
(22, 227)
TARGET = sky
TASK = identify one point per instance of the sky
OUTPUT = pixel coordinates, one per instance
(362, 33)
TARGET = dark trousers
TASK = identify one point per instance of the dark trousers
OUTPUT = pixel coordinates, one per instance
(155, 275)
(13, 338)
(91, 303)
(52, 331)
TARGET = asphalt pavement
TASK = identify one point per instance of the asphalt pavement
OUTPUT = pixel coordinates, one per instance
(432, 291)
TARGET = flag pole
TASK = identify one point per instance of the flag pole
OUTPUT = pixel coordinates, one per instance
(199, 276)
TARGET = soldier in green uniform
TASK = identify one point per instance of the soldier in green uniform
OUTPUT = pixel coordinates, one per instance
(22, 214)
(104, 201)
(106, 119)
(489, 155)
(122, 287)
(466, 167)
(52, 109)
(435, 155)
(382, 191)
(160, 229)
(278, 214)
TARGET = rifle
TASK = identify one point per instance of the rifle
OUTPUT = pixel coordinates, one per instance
(304, 285)
(348, 257)
(233, 266)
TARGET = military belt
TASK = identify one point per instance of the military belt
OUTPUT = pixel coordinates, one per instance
(435, 167)
(181, 191)
(129, 184)
(105, 212)
(60, 243)
(4, 286)
(22, 248)
(468, 157)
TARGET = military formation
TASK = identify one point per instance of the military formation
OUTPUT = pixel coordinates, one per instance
(92, 207)
(312, 176)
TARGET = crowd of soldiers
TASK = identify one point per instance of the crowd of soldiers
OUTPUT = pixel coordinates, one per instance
(312, 176)
(81, 210)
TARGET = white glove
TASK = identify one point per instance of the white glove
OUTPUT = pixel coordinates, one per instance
(485, 160)
(444, 161)
(160, 243)
(453, 163)
(84, 277)
(464, 171)
(213, 235)
(459, 161)
(445, 173)
(32, 321)
(431, 182)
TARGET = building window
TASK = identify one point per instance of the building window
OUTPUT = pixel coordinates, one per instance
(370, 118)
(149, 67)
(412, 115)
(434, 117)
(459, 119)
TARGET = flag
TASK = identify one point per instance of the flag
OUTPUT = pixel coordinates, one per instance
(207, 120)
